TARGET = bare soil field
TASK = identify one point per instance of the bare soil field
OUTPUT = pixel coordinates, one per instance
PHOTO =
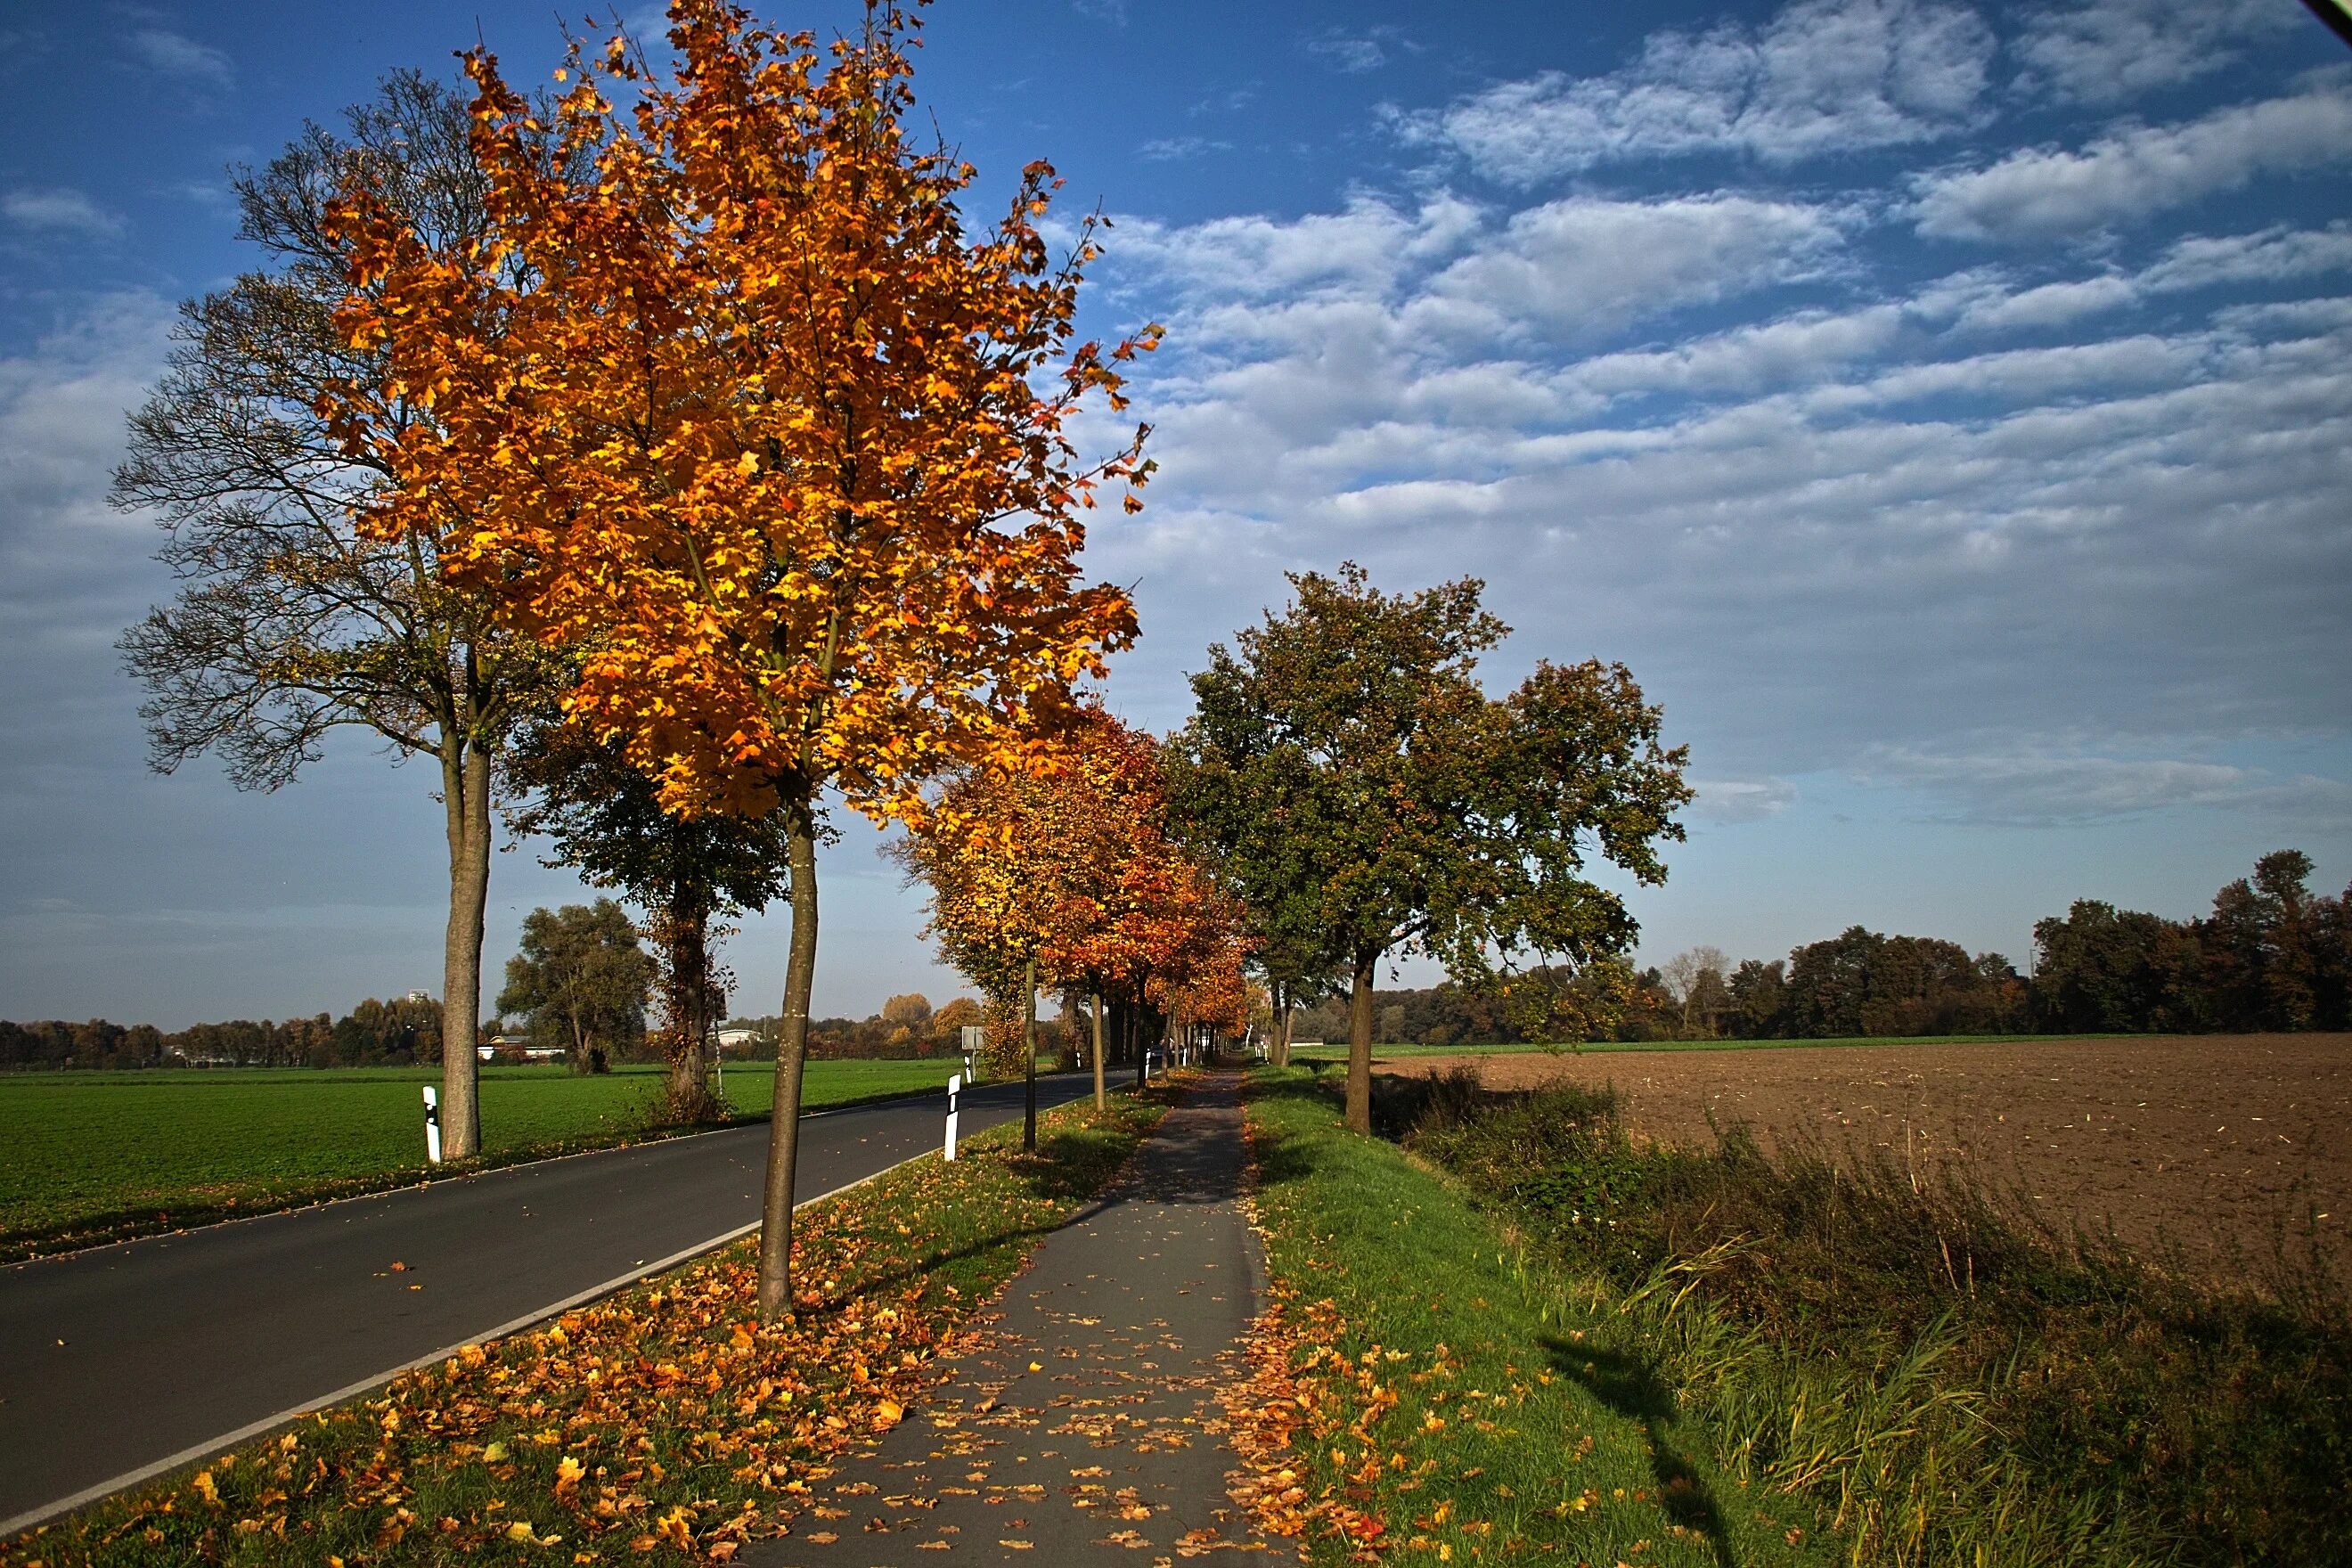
(2209, 1143)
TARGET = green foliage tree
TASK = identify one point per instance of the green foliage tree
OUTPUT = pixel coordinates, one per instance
(288, 624)
(607, 821)
(1346, 751)
(580, 982)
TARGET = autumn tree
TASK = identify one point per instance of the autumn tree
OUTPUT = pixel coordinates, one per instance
(758, 432)
(605, 820)
(1427, 816)
(908, 1015)
(950, 1022)
(999, 852)
(579, 980)
(289, 623)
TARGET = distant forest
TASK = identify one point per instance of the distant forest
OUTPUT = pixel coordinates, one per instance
(2270, 955)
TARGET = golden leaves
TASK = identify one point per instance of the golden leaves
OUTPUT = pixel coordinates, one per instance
(752, 434)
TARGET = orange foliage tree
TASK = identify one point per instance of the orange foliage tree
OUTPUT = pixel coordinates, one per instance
(731, 408)
(1026, 866)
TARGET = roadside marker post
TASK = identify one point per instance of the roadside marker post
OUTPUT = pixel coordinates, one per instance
(432, 1126)
(955, 1083)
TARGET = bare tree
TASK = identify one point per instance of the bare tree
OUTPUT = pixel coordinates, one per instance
(287, 624)
(1696, 981)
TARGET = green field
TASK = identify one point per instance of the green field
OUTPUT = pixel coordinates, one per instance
(97, 1154)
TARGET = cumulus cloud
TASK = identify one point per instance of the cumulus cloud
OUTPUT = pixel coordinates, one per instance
(1359, 250)
(1587, 261)
(2129, 175)
(59, 210)
(1813, 529)
(2100, 51)
(1822, 76)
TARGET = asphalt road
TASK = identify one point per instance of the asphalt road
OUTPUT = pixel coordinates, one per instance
(124, 1358)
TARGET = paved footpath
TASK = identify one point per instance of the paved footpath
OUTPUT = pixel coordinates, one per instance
(1085, 1427)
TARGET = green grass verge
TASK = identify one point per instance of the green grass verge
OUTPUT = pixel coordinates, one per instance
(1519, 1431)
(1945, 1378)
(100, 1155)
(657, 1426)
(1337, 1051)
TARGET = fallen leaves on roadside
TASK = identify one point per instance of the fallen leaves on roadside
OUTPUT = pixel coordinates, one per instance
(659, 1424)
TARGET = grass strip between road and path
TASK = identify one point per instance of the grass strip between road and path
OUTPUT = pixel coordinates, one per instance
(659, 1425)
(1409, 1393)
(105, 1157)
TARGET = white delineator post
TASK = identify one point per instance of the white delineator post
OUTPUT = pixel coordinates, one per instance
(955, 1083)
(432, 1126)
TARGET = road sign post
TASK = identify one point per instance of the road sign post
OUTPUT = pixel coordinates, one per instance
(955, 1083)
(432, 1126)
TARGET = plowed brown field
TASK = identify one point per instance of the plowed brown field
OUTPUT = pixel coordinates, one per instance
(2210, 1142)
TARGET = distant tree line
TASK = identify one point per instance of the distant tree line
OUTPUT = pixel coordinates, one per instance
(908, 1026)
(2272, 956)
(402, 1033)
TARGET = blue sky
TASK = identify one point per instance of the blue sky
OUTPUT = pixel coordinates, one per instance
(1946, 411)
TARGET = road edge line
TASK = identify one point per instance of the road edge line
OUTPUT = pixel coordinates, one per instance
(33, 1519)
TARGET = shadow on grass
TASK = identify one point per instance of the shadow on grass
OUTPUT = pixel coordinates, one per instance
(1632, 1389)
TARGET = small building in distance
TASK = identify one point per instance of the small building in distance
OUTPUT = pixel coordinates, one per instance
(516, 1048)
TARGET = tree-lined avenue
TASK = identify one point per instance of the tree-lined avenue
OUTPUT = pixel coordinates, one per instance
(114, 1359)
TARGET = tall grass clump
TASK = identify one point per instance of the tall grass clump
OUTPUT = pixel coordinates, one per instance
(1946, 1377)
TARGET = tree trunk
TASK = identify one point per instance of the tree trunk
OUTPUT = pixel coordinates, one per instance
(1102, 1100)
(1360, 1045)
(689, 1007)
(791, 1051)
(1029, 1058)
(466, 797)
(1135, 1037)
(1279, 1048)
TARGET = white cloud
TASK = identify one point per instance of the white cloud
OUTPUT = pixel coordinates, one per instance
(2051, 304)
(2127, 175)
(184, 60)
(2101, 51)
(1359, 250)
(2035, 788)
(1353, 53)
(2271, 256)
(1987, 300)
(1794, 350)
(1171, 149)
(1823, 77)
(1731, 801)
(1809, 530)
(1588, 262)
(58, 210)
